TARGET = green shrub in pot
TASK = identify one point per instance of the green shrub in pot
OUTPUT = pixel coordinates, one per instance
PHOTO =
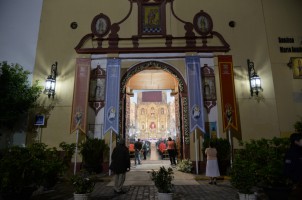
(163, 179)
(93, 151)
(243, 172)
(265, 160)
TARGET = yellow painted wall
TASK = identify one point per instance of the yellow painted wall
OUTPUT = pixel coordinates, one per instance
(258, 25)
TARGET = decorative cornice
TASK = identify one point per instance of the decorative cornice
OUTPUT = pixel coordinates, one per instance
(190, 42)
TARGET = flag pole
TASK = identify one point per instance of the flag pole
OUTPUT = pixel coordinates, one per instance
(110, 150)
(231, 145)
(196, 151)
(76, 152)
(78, 118)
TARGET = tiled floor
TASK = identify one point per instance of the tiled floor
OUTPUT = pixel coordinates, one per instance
(139, 186)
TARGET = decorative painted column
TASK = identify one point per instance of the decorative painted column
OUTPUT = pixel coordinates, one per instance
(185, 126)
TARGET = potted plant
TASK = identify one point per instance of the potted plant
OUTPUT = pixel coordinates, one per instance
(269, 160)
(185, 165)
(48, 165)
(163, 182)
(243, 175)
(17, 174)
(262, 161)
(93, 151)
(24, 169)
(66, 154)
(83, 184)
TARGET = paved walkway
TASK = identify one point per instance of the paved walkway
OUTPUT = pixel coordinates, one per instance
(202, 191)
(139, 175)
(139, 187)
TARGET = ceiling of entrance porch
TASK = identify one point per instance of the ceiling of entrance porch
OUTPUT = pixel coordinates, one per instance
(152, 80)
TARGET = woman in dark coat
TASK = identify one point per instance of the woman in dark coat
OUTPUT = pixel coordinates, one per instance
(120, 164)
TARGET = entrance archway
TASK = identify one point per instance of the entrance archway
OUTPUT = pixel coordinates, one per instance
(180, 97)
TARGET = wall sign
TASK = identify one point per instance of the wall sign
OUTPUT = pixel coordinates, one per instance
(290, 44)
(39, 120)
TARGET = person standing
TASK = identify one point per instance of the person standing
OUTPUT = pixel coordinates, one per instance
(293, 164)
(212, 169)
(145, 149)
(120, 164)
(162, 148)
(138, 147)
(171, 150)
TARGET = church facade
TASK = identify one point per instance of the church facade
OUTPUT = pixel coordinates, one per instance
(148, 36)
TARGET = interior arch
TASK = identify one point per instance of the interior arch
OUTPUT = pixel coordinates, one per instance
(155, 75)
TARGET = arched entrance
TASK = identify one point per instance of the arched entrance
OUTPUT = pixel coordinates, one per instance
(180, 94)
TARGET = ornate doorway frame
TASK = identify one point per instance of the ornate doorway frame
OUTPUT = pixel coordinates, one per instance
(184, 133)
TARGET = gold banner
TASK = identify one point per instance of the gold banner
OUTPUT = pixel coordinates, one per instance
(80, 95)
(228, 96)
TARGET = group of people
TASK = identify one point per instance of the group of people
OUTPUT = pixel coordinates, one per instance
(140, 147)
(170, 147)
(143, 147)
(121, 162)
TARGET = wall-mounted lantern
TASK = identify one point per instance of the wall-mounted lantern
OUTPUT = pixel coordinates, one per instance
(254, 79)
(50, 83)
